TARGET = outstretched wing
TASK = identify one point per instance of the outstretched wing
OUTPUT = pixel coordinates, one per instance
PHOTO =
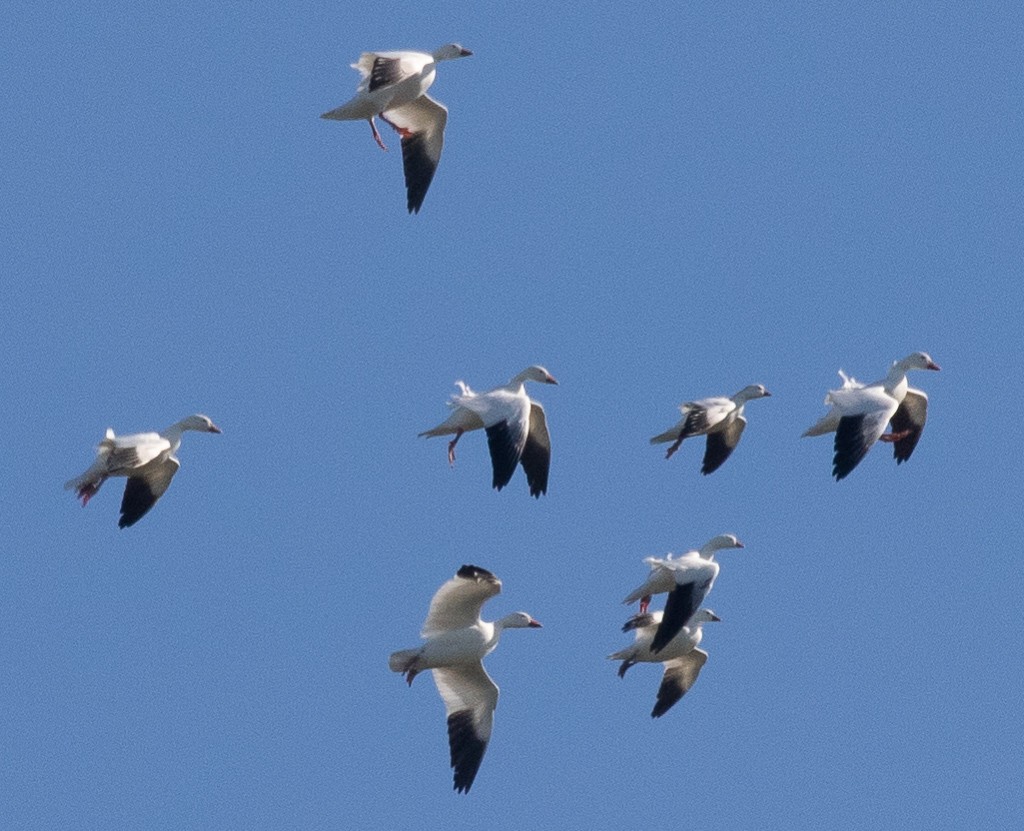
(457, 603)
(720, 445)
(470, 697)
(421, 125)
(909, 417)
(536, 457)
(680, 675)
(144, 488)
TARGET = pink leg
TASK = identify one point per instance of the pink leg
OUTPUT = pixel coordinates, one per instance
(88, 491)
(376, 135)
(645, 601)
(894, 437)
(451, 447)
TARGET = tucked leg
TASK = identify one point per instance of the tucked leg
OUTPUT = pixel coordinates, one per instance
(673, 448)
(376, 135)
(451, 447)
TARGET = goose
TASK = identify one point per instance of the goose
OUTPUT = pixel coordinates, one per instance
(860, 412)
(457, 641)
(687, 579)
(147, 459)
(394, 86)
(720, 419)
(681, 657)
(517, 429)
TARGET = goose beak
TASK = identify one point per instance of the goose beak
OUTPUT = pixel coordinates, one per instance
(550, 380)
(465, 53)
(534, 624)
(215, 429)
(714, 617)
(933, 365)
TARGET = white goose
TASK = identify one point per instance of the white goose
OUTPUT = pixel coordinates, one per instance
(687, 579)
(860, 413)
(457, 640)
(720, 419)
(394, 86)
(682, 659)
(517, 429)
(147, 459)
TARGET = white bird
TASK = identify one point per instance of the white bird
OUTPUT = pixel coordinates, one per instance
(687, 579)
(394, 86)
(147, 459)
(860, 413)
(457, 640)
(681, 657)
(517, 429)
(720, 419)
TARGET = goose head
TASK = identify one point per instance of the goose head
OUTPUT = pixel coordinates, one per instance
(199, 423)
(517, 620)
(752, 391)
(449, 52)
(917, 360)
(719, 543)
(535, 373)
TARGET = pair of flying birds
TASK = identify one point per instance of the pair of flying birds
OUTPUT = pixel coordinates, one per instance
(456, 640)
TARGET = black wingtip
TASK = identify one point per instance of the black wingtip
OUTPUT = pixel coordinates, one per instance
(470, 572)
(467, 749)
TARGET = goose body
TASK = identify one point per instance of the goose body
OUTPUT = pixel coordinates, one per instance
(394, 86)
(456, 642)
(146, 459)
(687, 580)
(516, 427)
(860, 413)
(720, 419)
(681, 657)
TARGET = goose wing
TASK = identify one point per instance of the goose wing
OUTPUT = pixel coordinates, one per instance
(536, 456)
(470, 697)
(144, 488)
(457, 603)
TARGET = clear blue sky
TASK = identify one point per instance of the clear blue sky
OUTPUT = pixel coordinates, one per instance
(657, 203)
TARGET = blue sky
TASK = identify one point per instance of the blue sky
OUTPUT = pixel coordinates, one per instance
(657, 204)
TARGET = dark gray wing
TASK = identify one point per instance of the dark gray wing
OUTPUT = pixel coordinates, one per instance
(385, 72)
(682, 602)
(506, 445)
(721, 444)
(910, 416)
(536, 458)
(421, 125)
(467, 749)
(143, 490)
(470, 697)
(696, 421)
(638, 622)
(854, 437)
(680, 675)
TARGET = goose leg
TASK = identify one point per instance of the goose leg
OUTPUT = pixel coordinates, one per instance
(376, 135)
(674, 447)
(88, 491)
(451, 446)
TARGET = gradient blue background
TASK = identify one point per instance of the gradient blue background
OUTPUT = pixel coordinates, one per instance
(658, 203)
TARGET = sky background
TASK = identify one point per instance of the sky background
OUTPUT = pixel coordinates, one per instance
(657, 203)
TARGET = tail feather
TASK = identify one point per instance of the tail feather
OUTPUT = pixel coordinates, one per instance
(667, 436)
(402, 660)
